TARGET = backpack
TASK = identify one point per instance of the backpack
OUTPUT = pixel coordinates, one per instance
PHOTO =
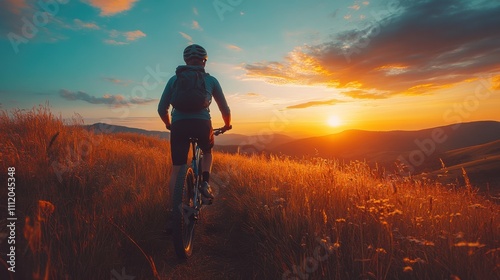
(189, 90)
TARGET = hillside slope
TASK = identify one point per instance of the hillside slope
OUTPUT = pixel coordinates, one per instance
(481, 162)
(386, 147)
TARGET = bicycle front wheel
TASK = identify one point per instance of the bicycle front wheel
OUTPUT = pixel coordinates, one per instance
(183, 213)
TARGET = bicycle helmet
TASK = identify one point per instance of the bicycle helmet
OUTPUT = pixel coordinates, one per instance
(194, 51)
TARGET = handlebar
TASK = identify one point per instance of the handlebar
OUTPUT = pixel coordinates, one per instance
(221, 130)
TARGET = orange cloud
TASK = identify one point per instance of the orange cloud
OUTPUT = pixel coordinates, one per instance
(11, 12)
(252, 94)
(299, 67)
(109, 8)
(16, 6)
(364, 94)
(407, 56)
(495, 81)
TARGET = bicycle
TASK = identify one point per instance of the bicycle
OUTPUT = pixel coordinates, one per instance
(188, 201)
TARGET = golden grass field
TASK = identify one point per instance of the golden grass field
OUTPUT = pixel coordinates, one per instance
(89, 204)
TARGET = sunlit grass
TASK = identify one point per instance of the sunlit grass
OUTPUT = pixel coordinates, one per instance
(95, 183)
(324, 220)
(89, 203)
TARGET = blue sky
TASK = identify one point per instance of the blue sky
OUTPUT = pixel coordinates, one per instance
(365, 63)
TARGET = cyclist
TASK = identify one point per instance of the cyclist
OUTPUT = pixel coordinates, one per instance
(198, 124)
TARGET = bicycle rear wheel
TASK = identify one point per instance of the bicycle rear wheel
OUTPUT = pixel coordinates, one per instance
(183, 214)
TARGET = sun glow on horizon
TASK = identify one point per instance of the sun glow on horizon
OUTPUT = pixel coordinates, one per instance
(334, 121)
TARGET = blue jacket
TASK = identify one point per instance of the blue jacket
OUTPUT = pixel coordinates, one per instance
(213, 89)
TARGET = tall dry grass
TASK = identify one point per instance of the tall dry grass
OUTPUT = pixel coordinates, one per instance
(89, 204)
(318, 219)
(105, 196)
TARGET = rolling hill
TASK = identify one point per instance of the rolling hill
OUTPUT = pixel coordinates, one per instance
(387, 146)
(227, 142)
(110, 128)
(481, 162)
(474, 146)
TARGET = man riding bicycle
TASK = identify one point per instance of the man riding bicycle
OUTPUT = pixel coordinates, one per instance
(188, 122)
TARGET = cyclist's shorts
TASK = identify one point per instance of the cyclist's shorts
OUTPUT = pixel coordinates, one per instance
(182, 130)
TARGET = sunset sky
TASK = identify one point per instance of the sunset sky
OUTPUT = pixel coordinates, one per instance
(295, 67)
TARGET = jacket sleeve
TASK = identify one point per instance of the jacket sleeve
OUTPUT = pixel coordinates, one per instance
(164, 104)
(220, 99)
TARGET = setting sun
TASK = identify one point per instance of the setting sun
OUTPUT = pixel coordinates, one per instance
(334, 121)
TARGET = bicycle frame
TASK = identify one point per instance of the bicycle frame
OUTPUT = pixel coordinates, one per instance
(197, 170)
(187, 197)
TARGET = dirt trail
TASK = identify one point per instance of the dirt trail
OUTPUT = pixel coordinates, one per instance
(222, 249)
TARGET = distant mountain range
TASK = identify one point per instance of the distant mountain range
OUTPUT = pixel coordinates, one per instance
(414, 147)
(474, 146)
(111, 128)
(226, 142)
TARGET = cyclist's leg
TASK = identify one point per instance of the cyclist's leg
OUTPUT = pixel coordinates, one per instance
(179, 149)
(206, 143)
(206, 165)
(205, 135)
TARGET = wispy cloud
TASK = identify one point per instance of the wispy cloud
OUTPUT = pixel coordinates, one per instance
(233, 48)
(114, 42)
(118, 81)
(407, 56)
(195, 11)
(123, 38)
(79, 24)
(355, 7)
(116, 100)
(250, 99)
(196, 25)
(315, 103)
(366, 94)
(252, 94)
(495, 81)
(109, 8)
(186, 36)
(134, 35)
